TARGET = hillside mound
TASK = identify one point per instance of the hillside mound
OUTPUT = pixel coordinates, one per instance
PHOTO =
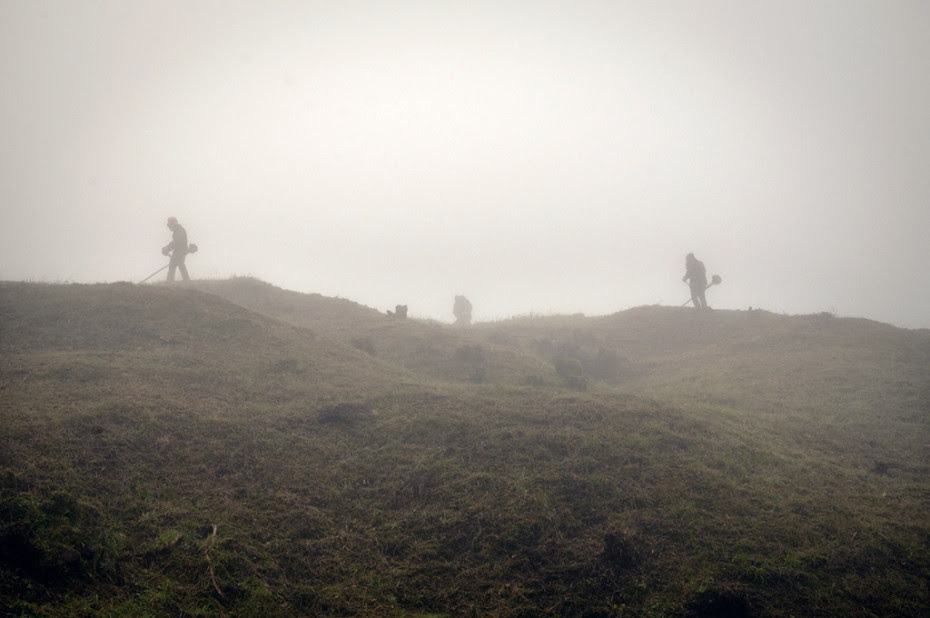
(335, 316)
(433, 350)
(753, 359)
(110, 334)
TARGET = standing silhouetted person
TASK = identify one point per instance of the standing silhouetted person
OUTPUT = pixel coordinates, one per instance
(177, 248)
(462, 311)
(696, 277)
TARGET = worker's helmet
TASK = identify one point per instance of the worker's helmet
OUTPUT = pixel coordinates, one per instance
(172, 220)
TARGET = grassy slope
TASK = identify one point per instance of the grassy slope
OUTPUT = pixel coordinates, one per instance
(719, 464)
(428, 348)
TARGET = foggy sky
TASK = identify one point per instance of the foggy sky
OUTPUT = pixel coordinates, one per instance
(537, 157)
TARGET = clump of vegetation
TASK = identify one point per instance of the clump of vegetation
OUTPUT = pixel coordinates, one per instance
(344, 413)
(597, 360)
(365, 344)
(620, 552)
(571, 370)
(730, 601)
(472, 357)
(469, 354)
(49, 540)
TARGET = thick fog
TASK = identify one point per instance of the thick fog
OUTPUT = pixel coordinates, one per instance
(537, 157)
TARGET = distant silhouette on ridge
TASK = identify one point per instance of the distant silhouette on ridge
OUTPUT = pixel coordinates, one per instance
(696, 278)
(177, 249)
(462, 311)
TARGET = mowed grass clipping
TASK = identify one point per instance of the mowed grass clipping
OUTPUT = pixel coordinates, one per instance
(167, 452)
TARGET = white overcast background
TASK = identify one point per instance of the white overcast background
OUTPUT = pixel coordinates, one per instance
(537, 157)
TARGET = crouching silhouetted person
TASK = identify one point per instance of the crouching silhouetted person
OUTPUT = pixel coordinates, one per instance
(696, 277)
(462, 311)
(177, 249)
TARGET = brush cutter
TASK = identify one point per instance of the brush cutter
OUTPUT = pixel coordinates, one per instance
(154, 273)
(191, 248)
(715, 280)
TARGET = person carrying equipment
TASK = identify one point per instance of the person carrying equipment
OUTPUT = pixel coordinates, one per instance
(461, 309)
(696, 278)
(177, 249)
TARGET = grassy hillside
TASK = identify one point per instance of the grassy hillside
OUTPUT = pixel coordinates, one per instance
(231, 448)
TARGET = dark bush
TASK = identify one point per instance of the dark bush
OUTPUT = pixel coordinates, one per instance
(619, 553)
(469, 354)
(344, 413)
(365, 344)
